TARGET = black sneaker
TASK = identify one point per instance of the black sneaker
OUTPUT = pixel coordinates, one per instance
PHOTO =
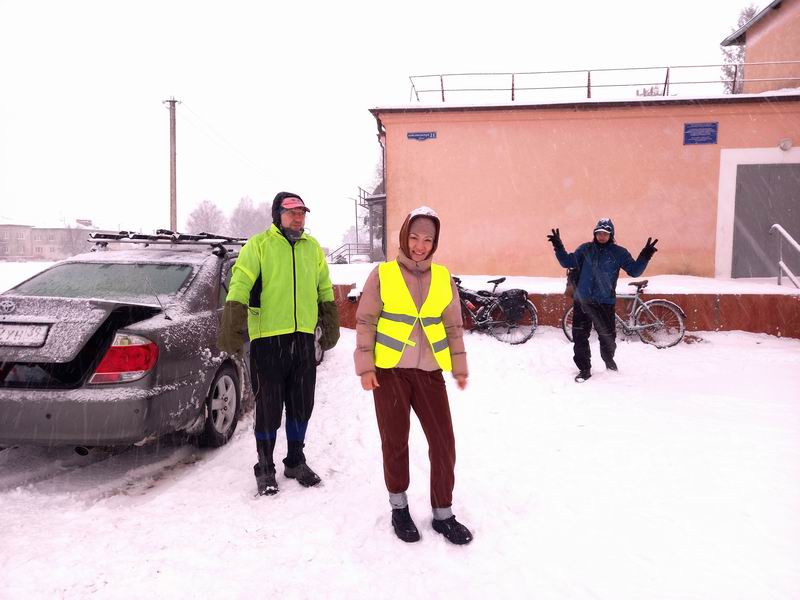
(265, 481)
(611, 365)
(454, 531)
(583, 375)
(404, 526)
(304, 475)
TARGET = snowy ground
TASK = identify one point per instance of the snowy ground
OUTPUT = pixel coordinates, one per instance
(675, 478)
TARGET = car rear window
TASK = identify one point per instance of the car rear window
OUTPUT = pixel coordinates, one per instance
(113, 281)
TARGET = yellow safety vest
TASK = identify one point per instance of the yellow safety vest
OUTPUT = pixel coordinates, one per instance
(400, 314)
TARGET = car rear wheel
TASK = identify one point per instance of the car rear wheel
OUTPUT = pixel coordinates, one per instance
(223, 407)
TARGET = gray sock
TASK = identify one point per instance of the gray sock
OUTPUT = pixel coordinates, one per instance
(398, 500)
(440, 514)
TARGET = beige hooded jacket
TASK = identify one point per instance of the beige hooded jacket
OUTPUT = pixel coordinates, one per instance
(417, 276)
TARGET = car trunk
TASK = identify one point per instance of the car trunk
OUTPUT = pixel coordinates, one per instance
(58, 342)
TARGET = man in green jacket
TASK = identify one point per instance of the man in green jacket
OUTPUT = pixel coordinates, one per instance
(281, 274)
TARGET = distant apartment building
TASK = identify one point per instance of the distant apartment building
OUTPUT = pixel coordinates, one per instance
(28, 242)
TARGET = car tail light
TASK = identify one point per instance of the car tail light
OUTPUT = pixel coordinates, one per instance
(129, 358)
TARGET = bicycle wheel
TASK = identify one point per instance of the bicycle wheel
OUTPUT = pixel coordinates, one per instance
(662, 322)
(511, 331)
(566, 323)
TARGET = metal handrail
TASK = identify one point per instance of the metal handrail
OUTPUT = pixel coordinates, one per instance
(667, 81)
(782, 267)
(349, 250)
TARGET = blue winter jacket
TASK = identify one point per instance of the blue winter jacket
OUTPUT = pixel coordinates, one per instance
(600, 267)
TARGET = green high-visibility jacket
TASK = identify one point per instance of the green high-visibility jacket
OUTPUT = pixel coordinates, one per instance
(294, 279)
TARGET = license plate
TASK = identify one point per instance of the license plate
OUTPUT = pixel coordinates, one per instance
(22, 334)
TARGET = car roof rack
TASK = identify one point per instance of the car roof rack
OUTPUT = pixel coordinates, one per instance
(101, 239)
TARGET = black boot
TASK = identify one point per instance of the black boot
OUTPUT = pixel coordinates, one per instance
(404, 526)
(611, 365)
(294, 454)
(454, 531)
(304, 475)
(583, 375)
(264, 469)
(265, 480)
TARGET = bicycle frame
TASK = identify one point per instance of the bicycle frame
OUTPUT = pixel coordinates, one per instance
(479, 313)
(629, 326)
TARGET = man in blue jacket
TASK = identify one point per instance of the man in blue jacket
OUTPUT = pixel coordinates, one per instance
(599, 262)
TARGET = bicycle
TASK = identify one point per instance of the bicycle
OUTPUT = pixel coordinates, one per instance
(658, 322)
(509, 316)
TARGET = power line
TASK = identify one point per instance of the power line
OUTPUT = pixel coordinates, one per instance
(220, 140)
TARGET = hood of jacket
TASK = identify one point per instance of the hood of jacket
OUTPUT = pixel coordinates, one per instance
(422, 211)
(604, 224)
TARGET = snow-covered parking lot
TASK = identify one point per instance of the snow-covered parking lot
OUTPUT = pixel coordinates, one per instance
(675, 478)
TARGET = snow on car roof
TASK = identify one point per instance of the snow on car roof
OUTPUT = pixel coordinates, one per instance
(194, 256)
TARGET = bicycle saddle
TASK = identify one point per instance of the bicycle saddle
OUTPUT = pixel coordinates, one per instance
(640, 285)
(498, 281)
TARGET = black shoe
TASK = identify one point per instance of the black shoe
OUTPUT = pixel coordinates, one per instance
(265, 481)
(583, 375)
(454, 531)
(404, 526)
(304, 475)
(611, 365)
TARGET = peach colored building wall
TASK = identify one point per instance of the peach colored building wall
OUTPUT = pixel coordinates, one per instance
(775, 37)
(501, 177)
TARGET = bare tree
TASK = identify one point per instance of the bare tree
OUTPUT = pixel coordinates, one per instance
(207, 217)
(349, 236)
(247, 219)
(733, 56)
(75, 239)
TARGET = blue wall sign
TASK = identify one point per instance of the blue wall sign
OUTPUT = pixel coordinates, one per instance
(421, 136)
(700, 133)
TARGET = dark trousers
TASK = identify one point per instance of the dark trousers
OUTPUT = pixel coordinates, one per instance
(399, 391)
(283, 371)
(584, 316)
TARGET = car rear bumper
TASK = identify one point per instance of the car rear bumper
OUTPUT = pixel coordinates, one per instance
(93, 417)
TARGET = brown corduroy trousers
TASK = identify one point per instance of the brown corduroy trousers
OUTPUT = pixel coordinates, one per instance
(399, 391)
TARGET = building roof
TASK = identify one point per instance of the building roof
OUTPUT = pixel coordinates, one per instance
(737, 38)
(789, 95)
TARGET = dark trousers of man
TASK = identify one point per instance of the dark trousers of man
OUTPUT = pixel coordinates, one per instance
(399, 391)
(283, 371)
(584, 315)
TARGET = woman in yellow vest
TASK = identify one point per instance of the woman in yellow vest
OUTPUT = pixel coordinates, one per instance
(408, 331)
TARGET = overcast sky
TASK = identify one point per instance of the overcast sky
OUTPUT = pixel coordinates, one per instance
(275, 96)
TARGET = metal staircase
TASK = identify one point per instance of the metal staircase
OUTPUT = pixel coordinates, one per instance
(344, 254)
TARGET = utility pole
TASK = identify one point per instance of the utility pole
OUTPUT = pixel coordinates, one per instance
(173, 187)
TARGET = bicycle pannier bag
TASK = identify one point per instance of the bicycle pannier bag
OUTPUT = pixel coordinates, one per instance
(513, 303)
(573, 275)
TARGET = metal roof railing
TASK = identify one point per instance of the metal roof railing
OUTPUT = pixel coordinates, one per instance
(656, 81)
(166, 237)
